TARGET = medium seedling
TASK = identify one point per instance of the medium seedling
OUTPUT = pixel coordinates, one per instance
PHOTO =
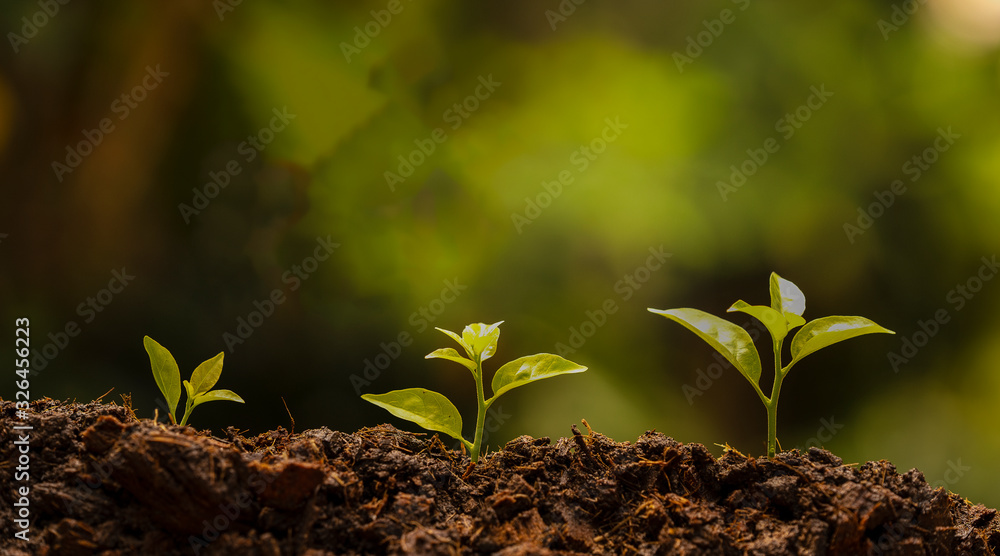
(435, 412)
(785, 313)
(168, 378)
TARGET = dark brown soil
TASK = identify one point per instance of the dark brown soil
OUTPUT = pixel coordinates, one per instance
(103, 482)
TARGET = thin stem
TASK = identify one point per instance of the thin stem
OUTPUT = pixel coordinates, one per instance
(187, 412)
(481, 417)
(772, 405)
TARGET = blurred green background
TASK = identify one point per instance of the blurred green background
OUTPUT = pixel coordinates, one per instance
(428, 139)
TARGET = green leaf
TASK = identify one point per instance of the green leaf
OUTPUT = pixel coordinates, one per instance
(732, 341)
(426, 408)
(787, 298)
(189, 389)
(461, 342)
(482, 339)
(822, 332)
(794, 321)
(452, 355)
(166, 373)
(528, 369)
(216, 395)
(207, 374)
(773, 320)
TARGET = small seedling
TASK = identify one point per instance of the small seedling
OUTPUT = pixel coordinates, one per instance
(168, 378)
(433, 411)
(785, 313)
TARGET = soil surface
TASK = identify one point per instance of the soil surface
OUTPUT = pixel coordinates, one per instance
(103, 482)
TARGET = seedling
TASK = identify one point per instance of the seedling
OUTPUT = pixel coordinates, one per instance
(433, 411)
(168, 379)
(784, 314)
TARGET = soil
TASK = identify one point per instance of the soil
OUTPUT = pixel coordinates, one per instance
(103, 482)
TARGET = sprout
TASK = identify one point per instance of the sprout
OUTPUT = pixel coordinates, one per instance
(435, 412)
(785, 313)
(168, 379)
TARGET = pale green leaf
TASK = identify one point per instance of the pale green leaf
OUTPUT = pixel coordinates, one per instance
(822, 332)
(482, 339)
(461, 342)
(426, 408)
(794, 321)
(528, 369)
(452, 354)
(786, 297)
(207, 374)
(773, 320)
(730, 340)
(165, 371)
(215, 396)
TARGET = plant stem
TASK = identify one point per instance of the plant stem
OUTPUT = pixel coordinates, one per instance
(481, 417)
(187, 412)
(772, 405)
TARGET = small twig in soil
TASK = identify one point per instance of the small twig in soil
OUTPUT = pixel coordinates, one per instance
(578, 437)
(378, 506)
(475, 535)
(289, 413)
(727, 448)
(402, 449)
(794, 470)
(599, 538)
(104, 394)
(127, 404)
(468, 470)
(436, 443)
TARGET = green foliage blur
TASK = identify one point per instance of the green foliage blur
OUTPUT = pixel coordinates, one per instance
(311, 187)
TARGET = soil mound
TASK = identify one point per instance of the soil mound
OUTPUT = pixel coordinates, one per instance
(102, 482)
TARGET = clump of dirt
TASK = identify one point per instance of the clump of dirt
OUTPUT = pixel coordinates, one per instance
(103, 482)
